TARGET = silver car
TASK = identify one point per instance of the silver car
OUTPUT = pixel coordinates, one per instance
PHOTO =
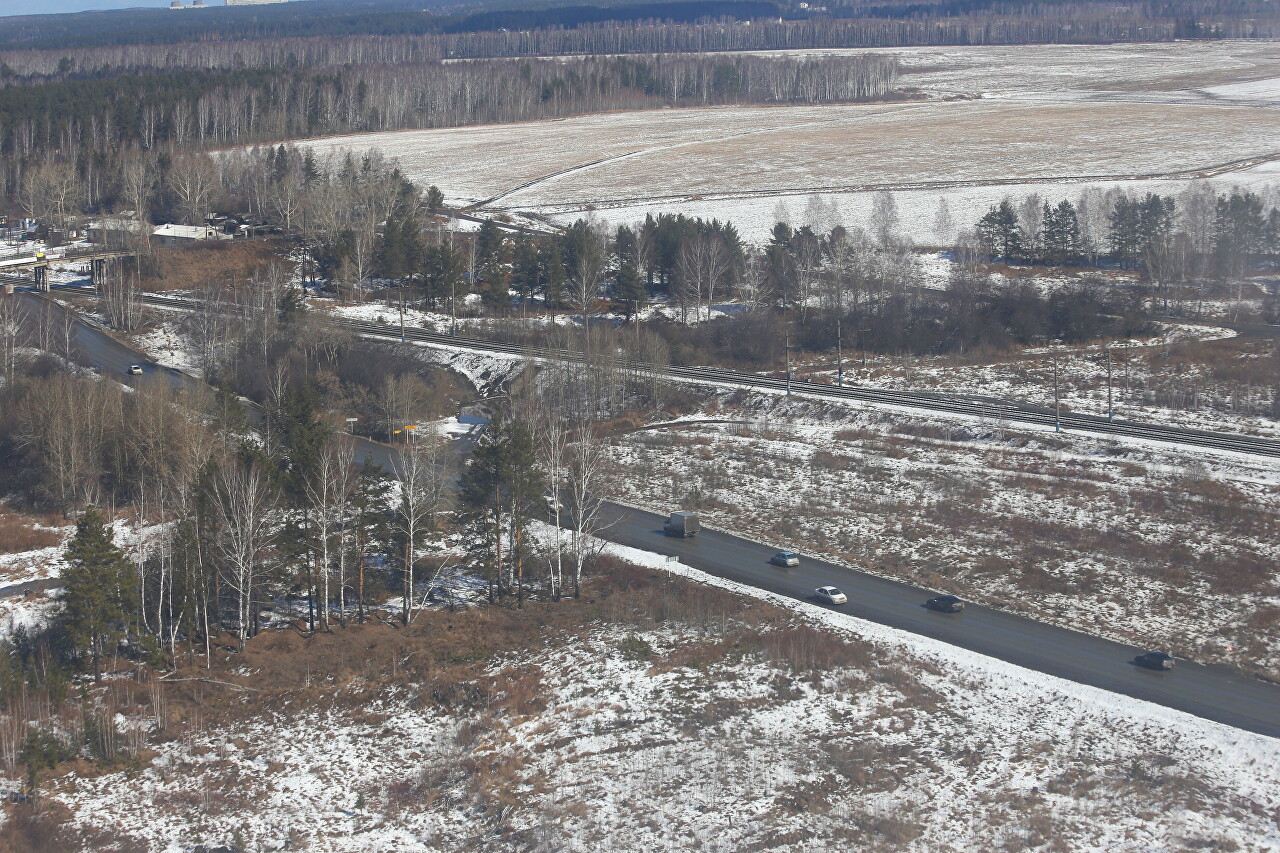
(831, 595)
(786, 559)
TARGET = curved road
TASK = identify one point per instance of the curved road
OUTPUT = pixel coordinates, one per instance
(1213, 692)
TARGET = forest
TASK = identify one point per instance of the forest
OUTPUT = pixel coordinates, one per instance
(93, 122)
(474, 29)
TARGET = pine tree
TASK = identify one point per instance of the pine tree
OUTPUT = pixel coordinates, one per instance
(498, 492)
(1061, 232)
(434, 200)
(553, 273)
(526, 271)
(1125, 221)
(628, 288)
(442, 270)
(101, 589)
(488, 242)
(1000, 233)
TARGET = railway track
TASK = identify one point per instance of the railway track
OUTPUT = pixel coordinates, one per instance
(952, 404)
(928, 401)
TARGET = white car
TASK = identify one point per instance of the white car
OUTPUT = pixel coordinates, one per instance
(135, 370)
(831, 595)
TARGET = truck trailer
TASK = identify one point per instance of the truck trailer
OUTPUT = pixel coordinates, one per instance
(683, 524)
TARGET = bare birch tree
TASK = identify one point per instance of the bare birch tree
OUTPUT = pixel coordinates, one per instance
(329, 493)
(423, 471)
(543, 409)
(121, 299)
(242, 507)
(12, 322)
(194, 179)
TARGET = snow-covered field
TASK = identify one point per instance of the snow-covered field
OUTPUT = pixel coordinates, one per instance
(760, 725)
(1153, 379)
(1144, 543)
(1173, 70)
(993, 122)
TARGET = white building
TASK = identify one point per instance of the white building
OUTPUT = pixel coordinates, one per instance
(173, 235)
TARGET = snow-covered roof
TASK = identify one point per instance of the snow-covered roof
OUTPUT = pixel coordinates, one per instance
(186, 232)
(116, 223)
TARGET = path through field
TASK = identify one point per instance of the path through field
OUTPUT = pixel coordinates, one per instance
(983, 123)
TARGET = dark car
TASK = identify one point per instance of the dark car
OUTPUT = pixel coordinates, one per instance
(945, 604)
(1154, 660)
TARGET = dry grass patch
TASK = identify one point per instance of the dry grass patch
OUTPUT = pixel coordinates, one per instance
(20, 532)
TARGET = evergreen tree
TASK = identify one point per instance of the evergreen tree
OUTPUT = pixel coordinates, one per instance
(303, 437)
(1000, 232)
(400, 248)
(499, 490)
(1061, 233)
(553, 273)
(628, 288)
(434, 200)
(526, 270)
(488, 242)
(370, 522)
(100, 589)
(442, 273)
(1239, 232)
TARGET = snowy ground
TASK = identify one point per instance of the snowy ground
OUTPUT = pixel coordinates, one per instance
(47, 564)
(30, 608)
(167, 345)
(1144, 543)
(773, 726)
(991, 122)
(1152, 379)
(741, 163)
(1158, 71)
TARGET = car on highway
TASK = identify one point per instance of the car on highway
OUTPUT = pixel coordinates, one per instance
(830, 595)
(135, 370)
(945, 604)
(1154, 660)
(786, 559)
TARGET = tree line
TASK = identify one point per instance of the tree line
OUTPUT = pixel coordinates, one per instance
(1199, 234)
(671, 26)
(92, 122)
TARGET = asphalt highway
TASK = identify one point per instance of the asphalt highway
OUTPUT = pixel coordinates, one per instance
(1213, 692)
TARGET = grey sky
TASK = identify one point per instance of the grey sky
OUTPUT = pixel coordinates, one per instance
(42, 7)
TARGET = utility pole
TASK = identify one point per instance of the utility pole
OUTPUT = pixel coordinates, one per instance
(839, 357)
(1057, 403)
(787, 339)
(453, 308)
(1110, 410)
(402, 337)
(453, 293)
